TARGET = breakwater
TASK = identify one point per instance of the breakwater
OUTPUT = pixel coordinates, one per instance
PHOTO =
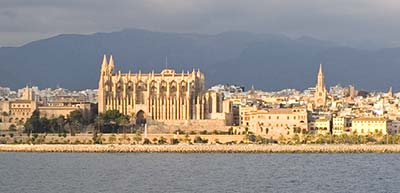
(242, 148)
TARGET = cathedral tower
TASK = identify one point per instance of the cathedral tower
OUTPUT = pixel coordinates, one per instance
(104, 75)
(320, 90)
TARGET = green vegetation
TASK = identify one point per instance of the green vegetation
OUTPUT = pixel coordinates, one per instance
(109, 122)
(375, 138)
(174, 141)
(137, 138)
(162, 140)
(112, 121)
(146, 141)
(112, 138)
(198, 139)
(74, 123)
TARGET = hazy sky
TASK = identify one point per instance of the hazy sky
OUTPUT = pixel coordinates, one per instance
(356, 22)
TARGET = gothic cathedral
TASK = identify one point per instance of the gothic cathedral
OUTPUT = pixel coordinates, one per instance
(159, 96)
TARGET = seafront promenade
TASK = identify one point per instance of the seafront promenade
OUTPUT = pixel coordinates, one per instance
(203, 148)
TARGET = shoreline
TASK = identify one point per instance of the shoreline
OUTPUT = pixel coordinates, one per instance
(243, 148)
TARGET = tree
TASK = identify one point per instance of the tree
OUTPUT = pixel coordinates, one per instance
(260, 139)
(198, 139)
(44, 125)
(162, 140)
(61, 124)
(295, 139)
(123, 122)
(32, 125)
(146, 141)
(187, 139)
(281, 139)
(110, 121)
(75, 121)
(137, 138)
(112, 138)
(53, 125)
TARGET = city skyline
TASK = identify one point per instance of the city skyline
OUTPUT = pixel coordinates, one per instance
(179, 99)
(246, 88)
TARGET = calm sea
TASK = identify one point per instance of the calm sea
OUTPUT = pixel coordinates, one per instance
(93, 173)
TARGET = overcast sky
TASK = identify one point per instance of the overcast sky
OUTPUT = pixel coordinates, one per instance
(357, 22)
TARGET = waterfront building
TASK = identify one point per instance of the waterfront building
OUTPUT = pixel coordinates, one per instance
(394, 127)
(16, 112)
(341, 125)
(275, 122)
(323, 125)
(369, 125)
(56, 109)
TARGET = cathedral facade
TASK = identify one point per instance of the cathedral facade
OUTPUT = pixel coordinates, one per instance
(167, 95)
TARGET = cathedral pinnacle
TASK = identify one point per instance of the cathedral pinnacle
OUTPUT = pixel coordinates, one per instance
(111, 63)
(320, 69)
(104, 63)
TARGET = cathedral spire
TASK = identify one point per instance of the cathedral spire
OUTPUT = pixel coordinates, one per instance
(104, 63)
(320, 89)
(111, 64)
(103, 71)
(320, 69)
(390, 92)
(320, 81)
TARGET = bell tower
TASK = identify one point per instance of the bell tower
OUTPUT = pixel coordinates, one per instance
(320, 90)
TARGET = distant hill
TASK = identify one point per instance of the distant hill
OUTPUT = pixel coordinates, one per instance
(266, 61)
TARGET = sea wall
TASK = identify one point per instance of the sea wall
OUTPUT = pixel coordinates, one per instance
(169, 126)
(203, 148)
(118, 138)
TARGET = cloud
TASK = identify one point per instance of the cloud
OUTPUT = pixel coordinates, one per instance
(341, 20)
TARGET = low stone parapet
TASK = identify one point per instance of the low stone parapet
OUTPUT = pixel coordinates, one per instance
(251, 148)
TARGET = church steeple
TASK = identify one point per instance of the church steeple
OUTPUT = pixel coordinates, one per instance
(320, 81)
(320, 69)
(320, 90)
(390, 92)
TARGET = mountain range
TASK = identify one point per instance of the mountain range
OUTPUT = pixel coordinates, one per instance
(267, 61)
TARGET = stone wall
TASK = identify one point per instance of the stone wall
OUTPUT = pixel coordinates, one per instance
(118, 138)
(186, 125)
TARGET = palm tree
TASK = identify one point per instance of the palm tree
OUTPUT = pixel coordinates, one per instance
(99, 121)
